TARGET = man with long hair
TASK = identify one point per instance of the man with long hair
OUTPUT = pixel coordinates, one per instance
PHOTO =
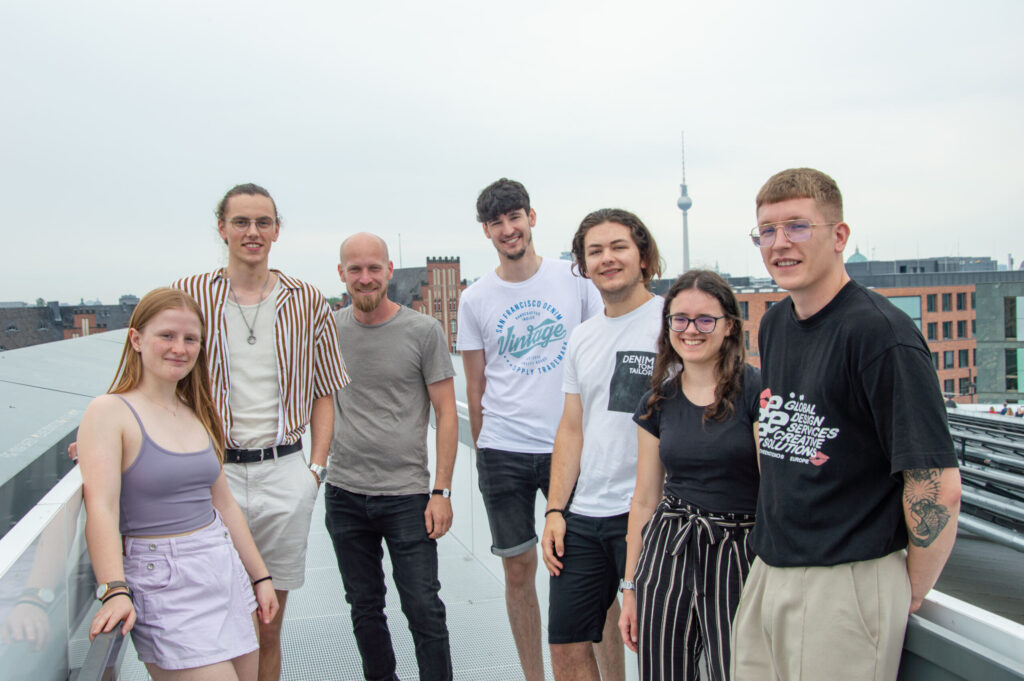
(608, 368)
(514, 325)
(275, 363)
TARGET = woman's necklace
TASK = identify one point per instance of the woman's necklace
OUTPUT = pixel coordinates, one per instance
(172, 412)
(252, 335)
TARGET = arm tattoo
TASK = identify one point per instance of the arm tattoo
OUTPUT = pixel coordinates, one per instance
(920, 495)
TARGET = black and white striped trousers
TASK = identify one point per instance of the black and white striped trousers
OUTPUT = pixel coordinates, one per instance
(688, 582)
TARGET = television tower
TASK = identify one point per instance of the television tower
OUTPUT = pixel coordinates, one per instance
(684, 204)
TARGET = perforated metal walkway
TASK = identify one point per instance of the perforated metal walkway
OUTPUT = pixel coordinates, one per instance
(317, 635)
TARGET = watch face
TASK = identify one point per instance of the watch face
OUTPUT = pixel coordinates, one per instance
(100, 591)
(46, 596)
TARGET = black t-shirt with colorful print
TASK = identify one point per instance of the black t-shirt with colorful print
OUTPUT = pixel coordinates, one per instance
(710, 464)
(850, 399)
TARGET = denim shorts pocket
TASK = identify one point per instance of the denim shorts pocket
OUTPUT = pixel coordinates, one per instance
(152, 573)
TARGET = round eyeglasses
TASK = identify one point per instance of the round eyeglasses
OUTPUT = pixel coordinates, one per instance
(704, 323)
(241, 224)
(796, 231)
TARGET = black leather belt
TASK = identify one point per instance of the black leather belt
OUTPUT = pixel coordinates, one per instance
(254, 455)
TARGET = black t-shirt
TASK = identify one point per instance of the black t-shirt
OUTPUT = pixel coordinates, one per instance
(712, 464)
(850, 400)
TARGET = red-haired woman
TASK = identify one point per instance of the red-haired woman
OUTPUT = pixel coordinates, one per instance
(696, 487)
(173, 557)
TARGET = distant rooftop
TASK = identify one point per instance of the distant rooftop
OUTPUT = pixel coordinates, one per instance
(405, 284)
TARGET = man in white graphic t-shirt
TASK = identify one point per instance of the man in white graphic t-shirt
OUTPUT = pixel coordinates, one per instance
(608, 368)
(514, 325)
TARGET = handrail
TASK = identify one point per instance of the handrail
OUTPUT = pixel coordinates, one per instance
(948, 633)
(103, 661)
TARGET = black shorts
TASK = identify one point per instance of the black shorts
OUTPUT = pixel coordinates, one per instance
(509, 482)
(593, 564)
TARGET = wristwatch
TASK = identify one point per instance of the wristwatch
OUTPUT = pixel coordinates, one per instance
(319, 471)
(102, 589)
(446, 493)
(44, 596)
(626, 585)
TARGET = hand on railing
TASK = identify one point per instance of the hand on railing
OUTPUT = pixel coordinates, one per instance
(120, 609)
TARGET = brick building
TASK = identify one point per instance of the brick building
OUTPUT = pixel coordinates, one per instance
(21, 327)
(970, 312)
(432, 290)
(944, 313)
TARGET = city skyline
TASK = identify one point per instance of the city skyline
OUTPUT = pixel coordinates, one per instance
(127, 122)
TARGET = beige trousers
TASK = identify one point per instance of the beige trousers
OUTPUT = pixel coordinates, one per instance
(835, 623)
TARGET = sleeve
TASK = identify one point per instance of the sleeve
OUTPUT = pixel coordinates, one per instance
(752, 392)
(902, 393)
(470, 336)
(570, 383)
(186, 284)
(591, 298)
(652, 424)
(329, 374)
(436, 362)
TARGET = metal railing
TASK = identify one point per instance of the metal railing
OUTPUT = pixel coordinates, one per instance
(991, 451)
(103, 661)
(948, 639)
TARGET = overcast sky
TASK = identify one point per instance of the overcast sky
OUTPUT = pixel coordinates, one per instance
(123, 123)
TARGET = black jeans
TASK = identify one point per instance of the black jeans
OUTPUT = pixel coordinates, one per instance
(357, 523)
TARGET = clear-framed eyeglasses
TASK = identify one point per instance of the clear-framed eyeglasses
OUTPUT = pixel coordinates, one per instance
(796, 231)
(704, 323)
(240, 224)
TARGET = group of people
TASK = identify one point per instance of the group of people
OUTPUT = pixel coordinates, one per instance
(1007, 410)
(772, 524)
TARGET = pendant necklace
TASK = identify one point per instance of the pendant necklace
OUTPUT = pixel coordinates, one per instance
(252, 335)
(172, 412)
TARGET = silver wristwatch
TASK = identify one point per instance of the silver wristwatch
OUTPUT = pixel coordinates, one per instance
(626, 585)
(319, 471)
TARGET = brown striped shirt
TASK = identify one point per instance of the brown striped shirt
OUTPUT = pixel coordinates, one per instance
(309, 363)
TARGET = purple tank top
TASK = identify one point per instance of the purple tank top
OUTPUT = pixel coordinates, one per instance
(165, 492)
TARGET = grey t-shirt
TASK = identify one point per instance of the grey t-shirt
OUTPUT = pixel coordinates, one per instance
(380, 419)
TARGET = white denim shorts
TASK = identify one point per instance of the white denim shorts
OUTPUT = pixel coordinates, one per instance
(277, 497)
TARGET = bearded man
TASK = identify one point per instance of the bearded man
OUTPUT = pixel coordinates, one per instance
(378, 485)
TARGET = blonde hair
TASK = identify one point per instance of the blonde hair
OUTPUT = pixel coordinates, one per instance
(194, 389)
(804, 183)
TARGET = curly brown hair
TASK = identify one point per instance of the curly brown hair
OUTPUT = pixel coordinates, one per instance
(641, 236)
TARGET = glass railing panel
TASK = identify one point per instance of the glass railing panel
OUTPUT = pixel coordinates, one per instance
(45, 584)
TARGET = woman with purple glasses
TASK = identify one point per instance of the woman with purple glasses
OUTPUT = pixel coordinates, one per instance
(696, 487)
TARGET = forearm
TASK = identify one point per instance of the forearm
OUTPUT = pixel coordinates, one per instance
(476, 419)
(446, 444)
(931, 505)
(321, 429)
(104, 542)
(639, 513)
(473, 363)
(474, 400)
(565, 466)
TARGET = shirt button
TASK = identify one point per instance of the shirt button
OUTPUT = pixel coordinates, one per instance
(152, 547)
(149, 566)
